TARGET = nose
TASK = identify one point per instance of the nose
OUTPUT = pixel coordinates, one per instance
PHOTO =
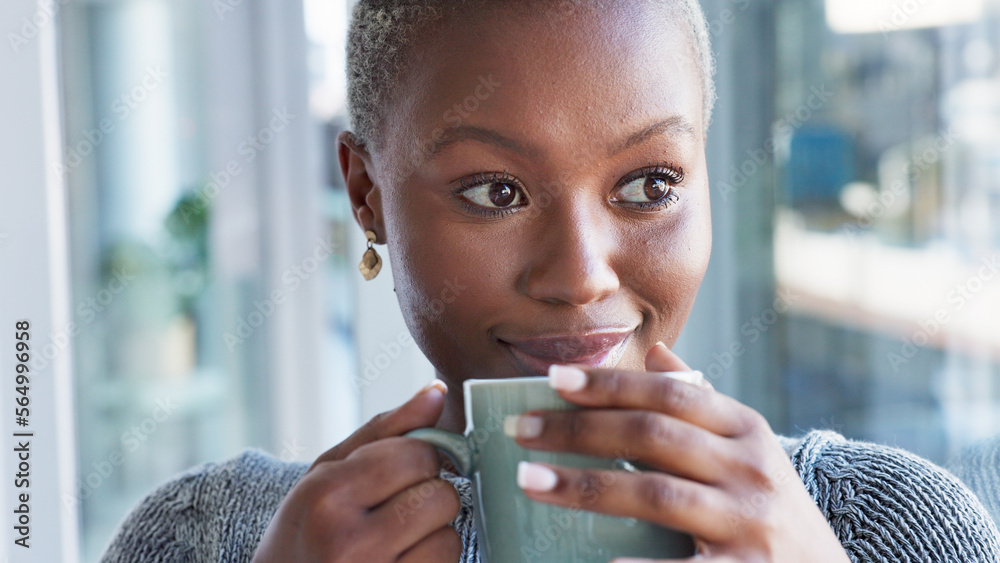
(571, 257)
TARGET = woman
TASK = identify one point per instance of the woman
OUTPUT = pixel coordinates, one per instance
(545, 162)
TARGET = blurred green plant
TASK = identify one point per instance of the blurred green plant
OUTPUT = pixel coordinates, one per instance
(187, 256)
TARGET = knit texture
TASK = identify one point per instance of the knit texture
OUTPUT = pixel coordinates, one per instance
(883, 503)
(978, 466)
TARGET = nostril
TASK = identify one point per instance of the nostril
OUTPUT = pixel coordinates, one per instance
(559, 284)
(569, 260)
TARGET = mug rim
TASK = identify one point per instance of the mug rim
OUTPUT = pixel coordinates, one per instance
(503, 381)
(476, 382)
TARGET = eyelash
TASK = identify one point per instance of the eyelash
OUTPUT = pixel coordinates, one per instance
(673, 175)
(489, 178)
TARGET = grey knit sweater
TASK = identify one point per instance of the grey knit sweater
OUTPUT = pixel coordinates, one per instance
(978, 466)
(883, 503)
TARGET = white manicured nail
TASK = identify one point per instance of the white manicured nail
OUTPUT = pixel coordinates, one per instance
(436, 385)
(693, 377)
(535, 477)
(523, 426)
(566, 378)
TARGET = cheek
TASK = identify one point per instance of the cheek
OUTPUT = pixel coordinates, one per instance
(447, 280)
(667, 261)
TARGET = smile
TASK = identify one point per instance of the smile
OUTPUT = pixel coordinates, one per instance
(595, 349)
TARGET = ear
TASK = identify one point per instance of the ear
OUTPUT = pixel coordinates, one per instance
(364, 194)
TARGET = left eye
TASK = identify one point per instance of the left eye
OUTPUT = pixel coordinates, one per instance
(644, 190)
(494, 195)
(648, 189)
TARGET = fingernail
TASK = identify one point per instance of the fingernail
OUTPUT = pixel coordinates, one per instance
(535, 477)
(523, 426)
(693, 377)
(566, 378)
(436, 385)
(662, 345)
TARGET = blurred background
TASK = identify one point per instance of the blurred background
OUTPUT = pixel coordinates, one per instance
(212, 256)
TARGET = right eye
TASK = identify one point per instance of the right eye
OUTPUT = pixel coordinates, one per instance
(492, 193)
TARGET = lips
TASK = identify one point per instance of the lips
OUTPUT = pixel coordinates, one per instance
(597, 348)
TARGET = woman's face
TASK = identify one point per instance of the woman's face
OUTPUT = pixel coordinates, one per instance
(542, 189)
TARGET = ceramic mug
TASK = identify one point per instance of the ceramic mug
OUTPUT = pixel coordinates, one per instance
(513, 528)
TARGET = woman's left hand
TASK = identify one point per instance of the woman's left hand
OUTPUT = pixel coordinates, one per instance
(719, 473)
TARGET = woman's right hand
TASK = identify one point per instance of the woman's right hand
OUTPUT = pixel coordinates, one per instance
(374, 498)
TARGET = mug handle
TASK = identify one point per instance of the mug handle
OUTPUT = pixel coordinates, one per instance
(453, 445)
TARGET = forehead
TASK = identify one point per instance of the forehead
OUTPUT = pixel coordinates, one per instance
(550, 77)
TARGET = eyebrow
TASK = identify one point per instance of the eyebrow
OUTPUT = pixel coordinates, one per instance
(674, 124)
(455, 135)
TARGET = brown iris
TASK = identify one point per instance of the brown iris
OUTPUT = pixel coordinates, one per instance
(502, 195)
(655, 188)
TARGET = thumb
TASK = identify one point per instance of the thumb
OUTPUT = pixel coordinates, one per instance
(662, 359)
(422, 410)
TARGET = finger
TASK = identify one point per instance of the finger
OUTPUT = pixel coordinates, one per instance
(444, 544)
(661, 359)
(377, 471)
(593, 387)
(652, 496)
(411, 515)
(422, 410)
(655, 440)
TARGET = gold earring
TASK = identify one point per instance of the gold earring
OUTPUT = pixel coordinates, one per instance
(371, 262)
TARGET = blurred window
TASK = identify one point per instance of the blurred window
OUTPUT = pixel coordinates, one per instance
(885, 237)
(887, 145)
(171, 162)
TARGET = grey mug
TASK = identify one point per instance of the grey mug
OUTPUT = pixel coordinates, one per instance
(512, 528)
